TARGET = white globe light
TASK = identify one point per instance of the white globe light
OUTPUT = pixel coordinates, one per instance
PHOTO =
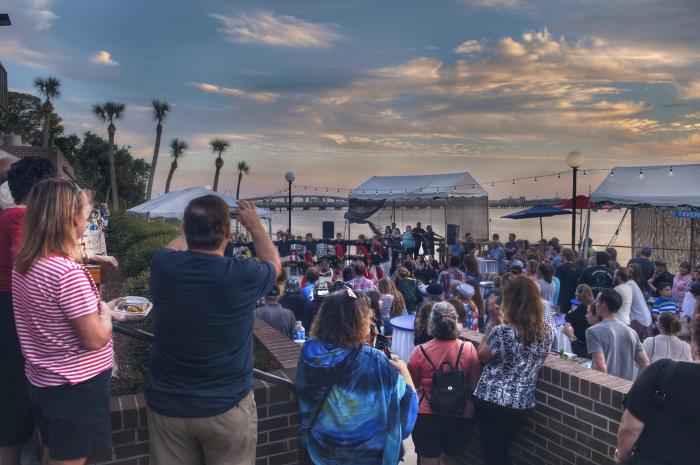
(574, 159)
(289, 176)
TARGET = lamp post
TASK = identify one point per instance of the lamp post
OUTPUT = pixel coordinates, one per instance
(289, 177)
(575, 161)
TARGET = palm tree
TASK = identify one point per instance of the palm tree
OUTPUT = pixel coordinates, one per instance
(108, 112)
(49, 88)
(218, 146)
(160, 112)
(243, 169)
(177, 150)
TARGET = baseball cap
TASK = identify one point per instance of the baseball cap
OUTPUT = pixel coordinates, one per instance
(434, 289)
(274, 291)
(466, 290)
(291, 286)
(647, 251)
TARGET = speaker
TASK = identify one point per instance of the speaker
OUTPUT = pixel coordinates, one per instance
(328, 229)
(452, 235)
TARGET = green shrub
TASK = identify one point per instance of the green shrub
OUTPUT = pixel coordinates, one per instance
(126, 231)
(138, 257)
(138, 285)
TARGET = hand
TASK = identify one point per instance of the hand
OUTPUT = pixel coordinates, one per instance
(105, 259)
(112, 304)
(568, 331)
(495, 313)
(247, 216)
(401, 367)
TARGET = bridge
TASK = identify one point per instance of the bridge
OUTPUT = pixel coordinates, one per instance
(303, 202)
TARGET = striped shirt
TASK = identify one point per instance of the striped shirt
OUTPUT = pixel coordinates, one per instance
(663, 304)
(55, 291)
(360, 283)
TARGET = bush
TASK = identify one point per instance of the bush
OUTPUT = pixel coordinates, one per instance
(137, 258)
(126, 231)
(138, 285)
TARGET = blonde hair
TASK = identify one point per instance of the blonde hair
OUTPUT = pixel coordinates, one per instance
(49, 222)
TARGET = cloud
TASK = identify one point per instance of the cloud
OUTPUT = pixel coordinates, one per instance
(493, 3)
(264, 27)
(15, 51)
(103, 57)
(469, 47)
(264, 97)
(689, 90)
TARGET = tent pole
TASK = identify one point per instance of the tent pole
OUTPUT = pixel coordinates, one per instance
(541, 230)
(444, 251)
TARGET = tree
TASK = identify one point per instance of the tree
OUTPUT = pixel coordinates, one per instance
(91, 165)
(49, 88)
(160, 113)
(243, 169)
(108, 112)
(218, 146)
(24, 118)
(177, 150)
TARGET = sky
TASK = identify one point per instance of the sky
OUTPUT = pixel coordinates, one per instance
(338, 91)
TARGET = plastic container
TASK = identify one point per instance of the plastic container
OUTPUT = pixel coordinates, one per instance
(299, 333)
(123, 314)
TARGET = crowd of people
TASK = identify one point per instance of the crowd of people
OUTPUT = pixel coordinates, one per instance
(358, 401)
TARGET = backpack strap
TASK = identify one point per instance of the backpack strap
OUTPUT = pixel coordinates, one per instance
(425, 354)
(459, 355)
(662, 387)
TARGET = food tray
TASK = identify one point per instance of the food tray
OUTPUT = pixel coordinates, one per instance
(122, 314)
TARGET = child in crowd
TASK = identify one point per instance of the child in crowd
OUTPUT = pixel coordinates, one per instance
(665, 302)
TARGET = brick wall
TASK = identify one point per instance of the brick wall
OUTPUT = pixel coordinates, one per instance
(278, 415)
(575, 422)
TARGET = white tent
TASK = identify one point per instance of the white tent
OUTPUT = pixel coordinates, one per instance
(172, 205)
(658, 186)
(664, 203)
(463, 201)
(418, 187)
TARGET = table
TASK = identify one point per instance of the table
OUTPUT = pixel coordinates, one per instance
(402, 336)
(488, 266)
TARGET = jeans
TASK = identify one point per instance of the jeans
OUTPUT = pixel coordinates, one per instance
(498, 427)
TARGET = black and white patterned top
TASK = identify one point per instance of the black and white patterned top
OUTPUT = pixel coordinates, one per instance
(509, 378)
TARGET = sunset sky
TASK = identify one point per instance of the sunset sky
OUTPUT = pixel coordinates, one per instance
(340, 90)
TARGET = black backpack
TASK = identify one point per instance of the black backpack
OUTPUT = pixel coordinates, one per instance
(449, 388)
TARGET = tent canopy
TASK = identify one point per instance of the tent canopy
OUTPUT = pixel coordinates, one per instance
(418, 187)
(172, 205)
(582, 203)
(538, 211)
(624, 186)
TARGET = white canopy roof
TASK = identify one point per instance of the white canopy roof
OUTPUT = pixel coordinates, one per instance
(418, 187)
(656, 186)
(172, 205)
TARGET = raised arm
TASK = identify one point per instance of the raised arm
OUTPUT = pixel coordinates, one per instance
(264, 248)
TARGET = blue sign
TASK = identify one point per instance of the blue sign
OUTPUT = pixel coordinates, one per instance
(692, 214)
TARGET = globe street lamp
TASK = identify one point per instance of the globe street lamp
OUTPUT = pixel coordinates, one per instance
(575, 161)
(289, 177)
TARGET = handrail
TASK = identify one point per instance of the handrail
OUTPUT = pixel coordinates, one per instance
(145, 336)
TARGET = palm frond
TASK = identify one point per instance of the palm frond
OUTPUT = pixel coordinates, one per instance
(114, 110)
(243, 167)
(160, 110)
(49, 87)
(177, 148)
(99, 111)
(219, 145)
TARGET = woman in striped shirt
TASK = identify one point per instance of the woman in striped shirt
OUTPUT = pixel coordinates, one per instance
(65, 331)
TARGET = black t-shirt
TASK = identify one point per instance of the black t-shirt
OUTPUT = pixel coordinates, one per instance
(201, 361)
(599, 277)
(577, 319)
(646, 264)
(670, 434)
(568, 274)
(664, 277)
(295, 302)
(510, 246)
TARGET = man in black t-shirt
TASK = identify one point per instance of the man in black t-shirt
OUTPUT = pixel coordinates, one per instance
(644, 260)
(599, 277)
(568, 274)
(200, 377)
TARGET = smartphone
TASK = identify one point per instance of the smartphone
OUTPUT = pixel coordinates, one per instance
(381, 343)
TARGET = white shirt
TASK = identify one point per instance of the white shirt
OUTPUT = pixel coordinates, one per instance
(689, 304)
(663, 346)
(640, 310)
(626, 292)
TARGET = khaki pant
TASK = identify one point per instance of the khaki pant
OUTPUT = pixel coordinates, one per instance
(226, 439)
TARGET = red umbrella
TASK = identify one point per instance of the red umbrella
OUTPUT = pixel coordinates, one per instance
(582, 203)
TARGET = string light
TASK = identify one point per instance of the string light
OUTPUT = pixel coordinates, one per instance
(670, 171)
(513, 181)
(641, 174)
(535, 179)
(612, 172)
(584, 172)
(473, 187)
(491, 183)
(558, 175)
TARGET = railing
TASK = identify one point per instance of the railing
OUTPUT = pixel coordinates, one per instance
(145, 336)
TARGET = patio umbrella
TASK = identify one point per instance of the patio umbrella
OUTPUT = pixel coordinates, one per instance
(582, 203)
(538, 211)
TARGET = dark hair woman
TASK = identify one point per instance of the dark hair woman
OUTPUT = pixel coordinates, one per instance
(513, 349)
(649, 424)
(442, 434)
(667, 344)
(471, 267)
(350, 393)
(577, 321)
(64, 329)
(637, 275)
(421, 324)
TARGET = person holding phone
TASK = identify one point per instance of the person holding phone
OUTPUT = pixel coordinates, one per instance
(350, 393)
